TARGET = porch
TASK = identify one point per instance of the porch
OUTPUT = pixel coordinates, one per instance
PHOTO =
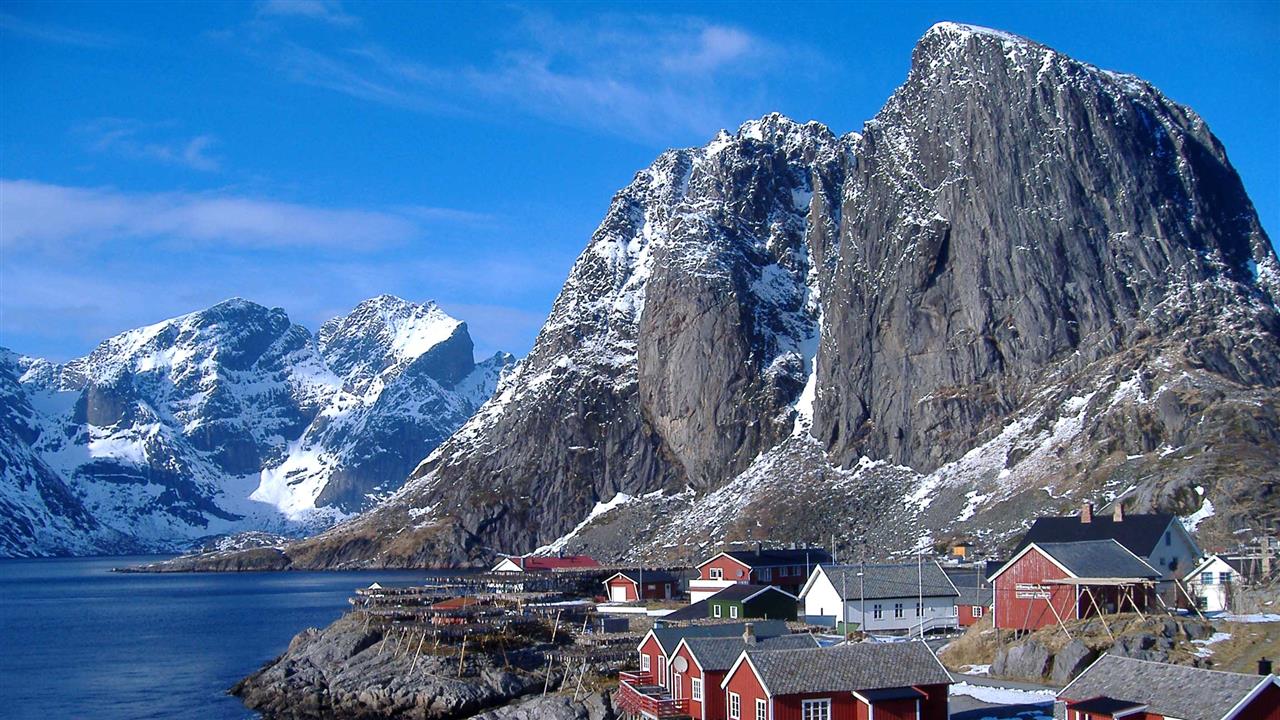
(639, 696)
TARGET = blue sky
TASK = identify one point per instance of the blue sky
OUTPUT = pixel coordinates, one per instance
(159, 157)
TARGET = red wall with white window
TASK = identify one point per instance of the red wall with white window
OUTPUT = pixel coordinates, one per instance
(733, 570)
(1030, 613)
(653, 651)
(965, 614)
(686, 681)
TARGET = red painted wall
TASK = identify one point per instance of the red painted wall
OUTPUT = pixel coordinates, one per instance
(730, 567)
(693, 707)
(1014, 613)
(844, 706)
(1264, 707)
(935, 705)
(622, 583)
(743, 681)
(965, 616)
(654, 651)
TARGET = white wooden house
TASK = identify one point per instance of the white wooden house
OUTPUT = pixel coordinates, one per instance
(900, 597)
(1214, 582)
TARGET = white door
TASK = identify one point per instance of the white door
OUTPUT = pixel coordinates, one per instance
(676, 685)
(618, 594)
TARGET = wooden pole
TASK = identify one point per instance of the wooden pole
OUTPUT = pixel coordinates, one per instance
(418, 652)
(1089, 594)
(1049, 601)
(1194, 605)
(555, 627)
(462, 655)
(546, 682)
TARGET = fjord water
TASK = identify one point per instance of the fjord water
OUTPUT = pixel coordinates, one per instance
(79, 641)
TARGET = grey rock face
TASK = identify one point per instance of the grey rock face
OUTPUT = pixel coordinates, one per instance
(1030, 659)
(231, 419)
(1026, 275)
(1071, 661)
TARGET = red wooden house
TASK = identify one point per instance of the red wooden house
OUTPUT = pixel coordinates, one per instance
(631, 585)
(699, 665)
(1116, 687)
(1051, 583)
(786, 568)
(863, 681)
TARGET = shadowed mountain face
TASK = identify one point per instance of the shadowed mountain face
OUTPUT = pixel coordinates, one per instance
(1028, 282)
(229, 419)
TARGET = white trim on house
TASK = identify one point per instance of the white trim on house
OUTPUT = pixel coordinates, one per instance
(724, 554)
(724, 684)
(1257, 690)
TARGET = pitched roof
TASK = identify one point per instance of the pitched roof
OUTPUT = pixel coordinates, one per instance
(780, 556)
(890, 580)
(848, 668)
(670, 637)
(972, 585)
(1177, 690)
(692, 611)
(741, 592)
(714, 654)
(1139, 533)
(650, 576)
(1098, 559)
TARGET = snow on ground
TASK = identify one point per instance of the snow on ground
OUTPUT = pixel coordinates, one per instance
(601, 508)
(976, 669)
(1002, 696)
(1249, 618)
(1203, 648)
(1192, 521)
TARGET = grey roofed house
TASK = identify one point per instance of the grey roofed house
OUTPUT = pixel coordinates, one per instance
(847, 668)
(761, 558)
(890, 580)
(742, 592)
(692, 611)
(972, 585)
(1099, 559)
(720, 653)
(1173, 690)
(1139, 533)
(669, 637)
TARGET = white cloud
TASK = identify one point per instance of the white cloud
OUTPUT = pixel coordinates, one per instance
(33, 214)
(128, 138)
(329, 11)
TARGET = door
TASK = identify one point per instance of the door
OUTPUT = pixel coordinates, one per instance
(677, 686)
(662, 671)
(618, 593)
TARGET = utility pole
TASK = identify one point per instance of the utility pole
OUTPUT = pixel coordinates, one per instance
(920, 587)
(862, 593)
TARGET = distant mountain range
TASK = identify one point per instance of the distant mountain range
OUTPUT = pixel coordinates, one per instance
(1027, 282)
(226, 420)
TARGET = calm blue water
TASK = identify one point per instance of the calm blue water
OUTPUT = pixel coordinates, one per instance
(78, 641)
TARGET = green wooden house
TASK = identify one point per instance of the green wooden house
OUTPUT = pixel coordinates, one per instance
(752, 601)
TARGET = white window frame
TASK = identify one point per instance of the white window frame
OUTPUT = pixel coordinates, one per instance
(733, 612)
(645, 665)
(715, 610)
(716, 573)
(877, 611)
(735, 706)
(695, 689)
(766, 574)
(919, 609)
(815, 709)
(897, 610)
(976, 611)
(762, 709)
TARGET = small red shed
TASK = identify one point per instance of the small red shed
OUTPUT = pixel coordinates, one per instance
(631, 585)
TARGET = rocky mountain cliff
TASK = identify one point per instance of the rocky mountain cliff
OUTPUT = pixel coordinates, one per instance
(1027, 282)
(228, 419)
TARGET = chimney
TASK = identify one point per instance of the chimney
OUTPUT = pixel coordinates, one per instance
(1264, 666)
(1086, 512)
(1117, 513)
(749, 637)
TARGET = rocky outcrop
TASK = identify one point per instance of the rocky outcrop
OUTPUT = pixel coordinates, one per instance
(349, 670)
(1028, 282)
(228, 419)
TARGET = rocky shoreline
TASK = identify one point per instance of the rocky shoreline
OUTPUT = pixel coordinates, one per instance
(351, 671)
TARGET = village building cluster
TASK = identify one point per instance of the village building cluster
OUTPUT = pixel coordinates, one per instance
(779, 633)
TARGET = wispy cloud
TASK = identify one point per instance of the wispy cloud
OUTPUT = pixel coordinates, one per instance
(635, 76)
(329, 11)
(37, 214)
(53, 33)
(130, 139)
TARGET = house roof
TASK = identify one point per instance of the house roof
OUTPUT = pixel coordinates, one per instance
(890, 580)
(716, 654)
(972, 585)
(650, 576)
(742, 592)
(669, 637)
(848, 668)
(1105, 706)
(692, 611)
(1098, 559)
(1138, 533)
(1177, 690)
(777, 557)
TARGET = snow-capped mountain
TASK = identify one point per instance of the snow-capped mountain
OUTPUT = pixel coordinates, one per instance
(228, 419)
(1027, 282)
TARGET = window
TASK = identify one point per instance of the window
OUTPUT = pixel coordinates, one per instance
(815, 709)
(715, 611)
(1206, 578)
(644, 663)
(766, 574)
(733, 611)
(976, 611)
(897, 610)
(919, 609)
(717, 573)
(735, 706)
(1224, 578)
(762, 710)
(695, 689)
(1168, 538)
(877, 612)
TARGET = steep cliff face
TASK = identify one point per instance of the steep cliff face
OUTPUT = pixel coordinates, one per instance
(229, 419)
(1028, 282)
